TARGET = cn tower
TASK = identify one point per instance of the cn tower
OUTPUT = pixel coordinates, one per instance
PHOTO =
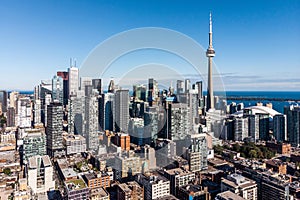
(210, 53)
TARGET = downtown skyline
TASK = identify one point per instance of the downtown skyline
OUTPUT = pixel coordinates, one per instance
(256, 42)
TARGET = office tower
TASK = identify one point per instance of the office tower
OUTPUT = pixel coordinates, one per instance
(47, 102)
(280, 127)
(11, 117)
(84, 81)
(34, 143)
(232, 108)
(240, 185)
(187, 85)
(121, 110)
(196, 152)
(150, 91)
(3, 100)
(40, 174)
(139, 92)
(293, 124)
(241, 130)
(54, 129)
(76, 115)
(65, 77)
(73, 81)
(108, 104)
(155, 185)
(210, 53)
(57, 89)
(24, 112)
(253, 125)
(180, 91)
(136, 130)
(13, 96)
(91, 122)
(97, 85)
(111, 86)
(151, 128)
(264, 126)
(180, 87)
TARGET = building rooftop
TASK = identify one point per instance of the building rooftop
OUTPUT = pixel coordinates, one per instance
(228, 195)
(178, 171)
(94, 175)
(33, 161)
(99, 191)
(75, 184)
(168, 197)
(68, 173)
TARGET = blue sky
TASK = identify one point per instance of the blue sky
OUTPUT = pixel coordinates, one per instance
(257, 42)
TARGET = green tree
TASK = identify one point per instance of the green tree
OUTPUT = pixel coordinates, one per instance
(236, 147)
(253, 154)
(7, 171)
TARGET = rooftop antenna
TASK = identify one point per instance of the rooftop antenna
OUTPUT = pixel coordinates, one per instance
(70, 62)
(74, 62)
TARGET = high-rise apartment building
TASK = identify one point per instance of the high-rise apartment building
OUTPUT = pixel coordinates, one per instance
(91, 122)
(3, 100)
(34, 143)
(293, 124)
(196, 153)
(241, 130)
(280, 127)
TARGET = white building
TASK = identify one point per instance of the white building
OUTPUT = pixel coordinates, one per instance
(24, 112)
(40, 174)
(240, 185)
(73, 80)
(155, 185)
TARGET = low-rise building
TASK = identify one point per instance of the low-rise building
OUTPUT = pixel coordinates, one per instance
(193, 192)
(95, 180)
(228, 195)
(130, 191)
(240, 185)
(74, 143)
(76, 189)
(99, 194)
(178, 177)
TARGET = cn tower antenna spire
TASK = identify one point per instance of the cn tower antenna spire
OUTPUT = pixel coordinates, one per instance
(210, 23)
